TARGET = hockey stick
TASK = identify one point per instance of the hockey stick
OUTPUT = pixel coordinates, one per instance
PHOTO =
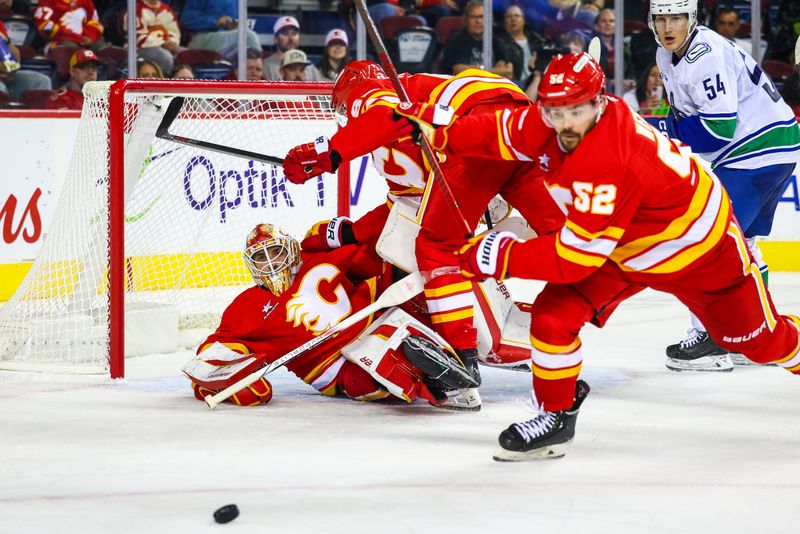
(594, 49)
(797, 52)
(388, 66)
(174, 108)
(395, 294)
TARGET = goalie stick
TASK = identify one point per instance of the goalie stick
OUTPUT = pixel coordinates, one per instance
(388, 66)
(395, 294)
(174, 108)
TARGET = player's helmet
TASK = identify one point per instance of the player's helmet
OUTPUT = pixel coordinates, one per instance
(273, 257)
(352, 74)
(672, 7)
(571, 79)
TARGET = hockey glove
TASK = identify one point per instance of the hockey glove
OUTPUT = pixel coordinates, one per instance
(486, 256)
(310, 159)
(328, 235)
(431, 120)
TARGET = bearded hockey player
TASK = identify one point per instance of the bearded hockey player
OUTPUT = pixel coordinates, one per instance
(730, 113)
(641, 212)
(297, 297)
(365, 101)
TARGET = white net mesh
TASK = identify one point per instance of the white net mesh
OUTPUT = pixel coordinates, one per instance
(188, 211)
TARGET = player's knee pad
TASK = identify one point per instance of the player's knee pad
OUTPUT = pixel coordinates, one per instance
(377, 351)
(260, 392)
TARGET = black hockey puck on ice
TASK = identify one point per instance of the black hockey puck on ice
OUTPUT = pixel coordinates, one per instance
(226, 514)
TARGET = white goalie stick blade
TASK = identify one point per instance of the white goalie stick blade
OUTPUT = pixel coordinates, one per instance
(797, 53)
(462, 400)
(594, 49)
(548, 452)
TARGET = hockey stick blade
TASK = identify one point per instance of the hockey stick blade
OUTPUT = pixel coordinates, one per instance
(174, 109)
(395, 294)
(594, 48)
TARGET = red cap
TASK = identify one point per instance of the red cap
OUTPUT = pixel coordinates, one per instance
(82, 56)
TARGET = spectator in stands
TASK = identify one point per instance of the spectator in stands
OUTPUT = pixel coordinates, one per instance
(593, 6)
(157, 32)
(604, 26)
(433, 10)
(83, 67)
(147, 68)
(335, 56)
(293, 66)
(73, 23)
(786, 31)
(465, 49)
(255, 65)
(380, 9)
(537, 12)
(727, 25)
(571, 15)
(213, 24)
(287, 37)
(575, 41)
(648, 96)
(522, 44)
(183, 72)
(14, 81)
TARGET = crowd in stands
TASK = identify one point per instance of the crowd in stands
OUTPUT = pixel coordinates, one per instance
(50, 48)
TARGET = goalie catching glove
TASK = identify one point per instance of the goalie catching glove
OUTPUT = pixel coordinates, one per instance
(430, 120)
(487, 255)
(328, 235)
(309, 160)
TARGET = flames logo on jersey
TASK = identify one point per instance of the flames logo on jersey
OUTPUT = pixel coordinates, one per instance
(309, 308)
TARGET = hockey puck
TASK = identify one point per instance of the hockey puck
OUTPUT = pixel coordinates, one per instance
(226, 514)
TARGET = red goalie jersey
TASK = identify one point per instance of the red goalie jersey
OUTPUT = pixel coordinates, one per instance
(320, 296)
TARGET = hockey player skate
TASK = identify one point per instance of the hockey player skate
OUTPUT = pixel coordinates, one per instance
(545, 436)
(698, 352)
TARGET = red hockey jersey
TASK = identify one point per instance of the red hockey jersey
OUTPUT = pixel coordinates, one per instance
(320, 297)
(370, 127)
(632, 195)
(68, 20)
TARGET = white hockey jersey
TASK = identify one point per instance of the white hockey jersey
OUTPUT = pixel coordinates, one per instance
(735, 106)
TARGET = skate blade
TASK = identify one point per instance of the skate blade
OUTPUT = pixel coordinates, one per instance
(464, 400)
(740, 360)
(551, 452)
(712, 364)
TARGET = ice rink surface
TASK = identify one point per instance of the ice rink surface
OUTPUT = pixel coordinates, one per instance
(655, 451)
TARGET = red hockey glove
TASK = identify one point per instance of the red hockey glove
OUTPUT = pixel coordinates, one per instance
(310, 159)
(328, 235)
(432, 120)
(486, 256)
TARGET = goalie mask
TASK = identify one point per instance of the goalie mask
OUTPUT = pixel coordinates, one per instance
(354, 73)
(569, 81)
(273, 257)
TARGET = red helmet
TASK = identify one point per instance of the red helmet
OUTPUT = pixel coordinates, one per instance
(352, 74)
(571, 79)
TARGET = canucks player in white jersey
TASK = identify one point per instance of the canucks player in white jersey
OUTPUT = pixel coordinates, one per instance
(728, 111)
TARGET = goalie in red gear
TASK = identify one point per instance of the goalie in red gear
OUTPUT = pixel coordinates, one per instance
(297, 297)
(641, 212)
(365, 102)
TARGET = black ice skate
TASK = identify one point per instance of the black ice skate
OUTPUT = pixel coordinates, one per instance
(469, 357)
(545, 436)
(698, 352)
(437, 364)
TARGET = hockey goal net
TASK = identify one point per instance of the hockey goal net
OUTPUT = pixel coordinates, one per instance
(146, 241)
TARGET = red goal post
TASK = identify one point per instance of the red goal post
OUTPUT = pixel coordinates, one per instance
(148, 233)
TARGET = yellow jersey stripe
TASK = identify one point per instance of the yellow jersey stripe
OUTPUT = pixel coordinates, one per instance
(452, 316)
(612, 231)
(547, 374)
(448, 290)
(555, 349)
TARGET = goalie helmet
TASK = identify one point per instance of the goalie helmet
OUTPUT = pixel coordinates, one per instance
(672, 7)
(571, 79)
(273, 257)
(354, 73)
